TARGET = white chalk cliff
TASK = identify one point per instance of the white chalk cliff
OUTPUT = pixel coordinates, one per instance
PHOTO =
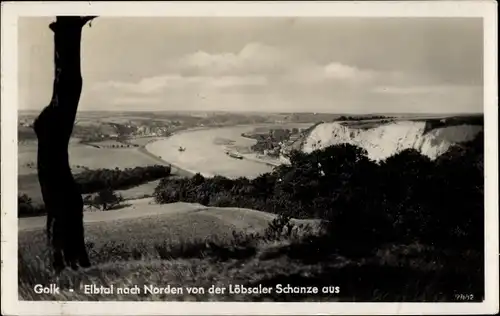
(386, 140)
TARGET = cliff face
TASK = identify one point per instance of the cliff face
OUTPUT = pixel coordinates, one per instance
(386, 140)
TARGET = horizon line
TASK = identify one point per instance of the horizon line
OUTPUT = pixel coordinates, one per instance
(264, 112)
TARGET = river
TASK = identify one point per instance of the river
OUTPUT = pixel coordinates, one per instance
(205, 151)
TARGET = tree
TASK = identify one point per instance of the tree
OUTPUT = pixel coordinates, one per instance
(88, 201)
(107, 199)
(53, 128)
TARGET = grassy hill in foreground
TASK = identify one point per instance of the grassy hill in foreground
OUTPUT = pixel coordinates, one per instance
(217, 248)
(189, 237)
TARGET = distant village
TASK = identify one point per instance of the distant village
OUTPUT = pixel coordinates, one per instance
(108, 130)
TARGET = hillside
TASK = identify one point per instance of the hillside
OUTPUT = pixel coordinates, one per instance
(143, 208)
(187, 245)
(386, 139)
(172, 244)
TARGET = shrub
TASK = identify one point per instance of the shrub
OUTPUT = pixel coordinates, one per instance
(107, 199)
(279, 227)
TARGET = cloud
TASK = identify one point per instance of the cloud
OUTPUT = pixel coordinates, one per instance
(344, 72)
(255, 65)
(334, 72)
(260, 76)
(266, 60)
(253, 58)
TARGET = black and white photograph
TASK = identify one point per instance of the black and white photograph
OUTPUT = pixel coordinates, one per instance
(187, 156)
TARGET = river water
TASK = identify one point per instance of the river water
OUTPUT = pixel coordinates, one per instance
(206, 151)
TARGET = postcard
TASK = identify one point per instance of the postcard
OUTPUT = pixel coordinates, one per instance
(249, 158)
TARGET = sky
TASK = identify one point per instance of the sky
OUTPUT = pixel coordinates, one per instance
(313, 64)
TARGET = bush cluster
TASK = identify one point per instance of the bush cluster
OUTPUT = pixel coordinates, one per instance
(104, 200)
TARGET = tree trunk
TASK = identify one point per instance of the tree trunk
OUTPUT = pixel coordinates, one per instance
(53, 127)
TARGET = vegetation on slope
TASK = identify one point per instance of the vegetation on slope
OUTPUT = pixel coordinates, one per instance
(406, 198)
(368, 208)
(100, 179)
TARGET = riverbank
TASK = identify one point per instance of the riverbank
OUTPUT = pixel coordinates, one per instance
(175, 169)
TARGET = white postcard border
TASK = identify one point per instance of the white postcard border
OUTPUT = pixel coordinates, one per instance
(12, 10)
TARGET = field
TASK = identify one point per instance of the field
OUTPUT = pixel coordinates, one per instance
(110, 158)
(139, 191)
(89, 157)
(84, 157)
(27, 152)
(26, 158)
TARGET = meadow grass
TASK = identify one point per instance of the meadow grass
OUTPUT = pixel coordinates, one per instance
(198, 249)
(140, 191)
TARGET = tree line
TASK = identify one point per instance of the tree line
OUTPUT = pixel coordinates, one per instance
(91, 181)
(361, 117)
